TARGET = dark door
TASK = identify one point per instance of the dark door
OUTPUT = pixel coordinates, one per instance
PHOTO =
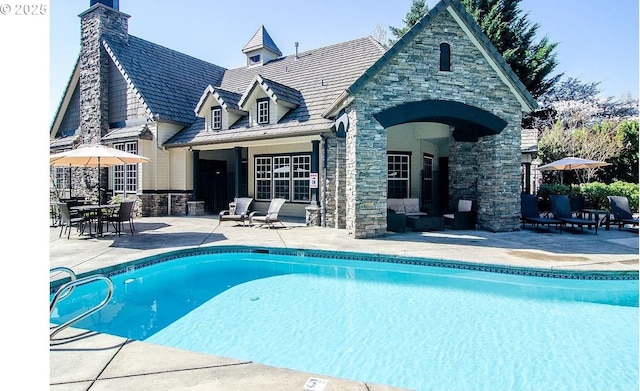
(212, 185)
(443, 183)
(427, 183)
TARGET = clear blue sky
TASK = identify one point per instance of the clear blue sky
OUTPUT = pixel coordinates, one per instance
(598, 39)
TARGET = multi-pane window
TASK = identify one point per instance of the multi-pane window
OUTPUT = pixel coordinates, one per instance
(125, 176)
(216, 118)
(263, 178)
(63, 180)
(300, 172)
(263, 111)
(253, 60)
(283, 176)
(398, 175)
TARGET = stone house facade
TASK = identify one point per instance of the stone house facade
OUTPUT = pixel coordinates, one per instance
(436, 117)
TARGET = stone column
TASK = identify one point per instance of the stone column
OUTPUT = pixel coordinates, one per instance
(366, 172)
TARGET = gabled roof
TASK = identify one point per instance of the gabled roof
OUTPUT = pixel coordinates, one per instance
(226, 99)
(129, 132)
(63, 142)
(169, 82)
(468, 24)
(66, 97)
(316, 76)
(261, 40)
(275, 91)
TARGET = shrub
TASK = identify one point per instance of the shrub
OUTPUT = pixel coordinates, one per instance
(595, 193)
(629, 190)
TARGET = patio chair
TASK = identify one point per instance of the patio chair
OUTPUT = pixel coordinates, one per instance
(123, 215)
(561, 209)
(529, 213)
(67, 220)
(463, 218)
(241, 212)
(621, 211)
(271, 216)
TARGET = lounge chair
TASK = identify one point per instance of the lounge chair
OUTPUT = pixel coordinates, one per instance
(621, 211)
(241, 212)
(271, 216)
(463, 218)
(530, 214)
(561, 209)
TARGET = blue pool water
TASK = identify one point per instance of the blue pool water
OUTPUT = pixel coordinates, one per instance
(420, 327)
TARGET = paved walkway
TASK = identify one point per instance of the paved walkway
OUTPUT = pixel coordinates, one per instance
(81, 360)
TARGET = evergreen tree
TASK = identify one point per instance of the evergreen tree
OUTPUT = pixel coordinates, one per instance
(418, 9)
(513, 35)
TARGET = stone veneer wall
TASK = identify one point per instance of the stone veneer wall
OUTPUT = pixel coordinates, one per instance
(487, 171)
(95, 23)
(366, 172)
(328, 189)
(333, 194)
(154, 205)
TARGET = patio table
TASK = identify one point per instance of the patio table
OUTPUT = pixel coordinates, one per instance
(97, 211)
(595, 214)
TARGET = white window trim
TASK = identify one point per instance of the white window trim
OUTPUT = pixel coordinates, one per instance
(299, 161)
(260, 103)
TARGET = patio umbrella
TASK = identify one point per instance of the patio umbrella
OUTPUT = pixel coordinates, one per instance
(95, 155)
(572, 163)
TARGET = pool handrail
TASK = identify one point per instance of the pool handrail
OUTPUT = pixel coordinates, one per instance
(66, 289)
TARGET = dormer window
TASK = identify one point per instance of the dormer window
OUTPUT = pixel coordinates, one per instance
(263, 111)
(254, 60)
(216, 118)
(445, 57)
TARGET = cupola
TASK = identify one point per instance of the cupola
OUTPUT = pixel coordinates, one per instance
(261, 49)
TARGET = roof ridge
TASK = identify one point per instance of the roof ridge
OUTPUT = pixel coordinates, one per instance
(331, 46)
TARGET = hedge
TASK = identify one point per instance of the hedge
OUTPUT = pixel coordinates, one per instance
(595, 193)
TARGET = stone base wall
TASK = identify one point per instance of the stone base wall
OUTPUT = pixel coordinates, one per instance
(154, 205)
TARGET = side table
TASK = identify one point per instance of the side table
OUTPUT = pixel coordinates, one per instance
(595, 215)
(430, 223)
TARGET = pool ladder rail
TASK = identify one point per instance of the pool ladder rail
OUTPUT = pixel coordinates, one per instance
(66, 289)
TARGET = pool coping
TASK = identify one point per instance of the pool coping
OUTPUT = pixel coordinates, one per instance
(129, 266)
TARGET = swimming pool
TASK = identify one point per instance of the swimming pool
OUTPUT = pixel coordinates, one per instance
(405, 322)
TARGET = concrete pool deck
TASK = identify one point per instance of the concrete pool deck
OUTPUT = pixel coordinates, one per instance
(82, 360)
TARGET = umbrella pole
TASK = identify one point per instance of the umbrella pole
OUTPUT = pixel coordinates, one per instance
(99, 182)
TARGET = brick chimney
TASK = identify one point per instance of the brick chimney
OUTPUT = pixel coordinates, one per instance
(102, 19)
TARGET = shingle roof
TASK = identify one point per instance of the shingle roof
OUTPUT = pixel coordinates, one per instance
(319, 75)
(241, 132)
(63, 142)
(227, 99)
(169, 82)
(131, 132)
(275, 90)
(261, 39)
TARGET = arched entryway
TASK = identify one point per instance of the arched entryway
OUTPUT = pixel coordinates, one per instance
(449, 138)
